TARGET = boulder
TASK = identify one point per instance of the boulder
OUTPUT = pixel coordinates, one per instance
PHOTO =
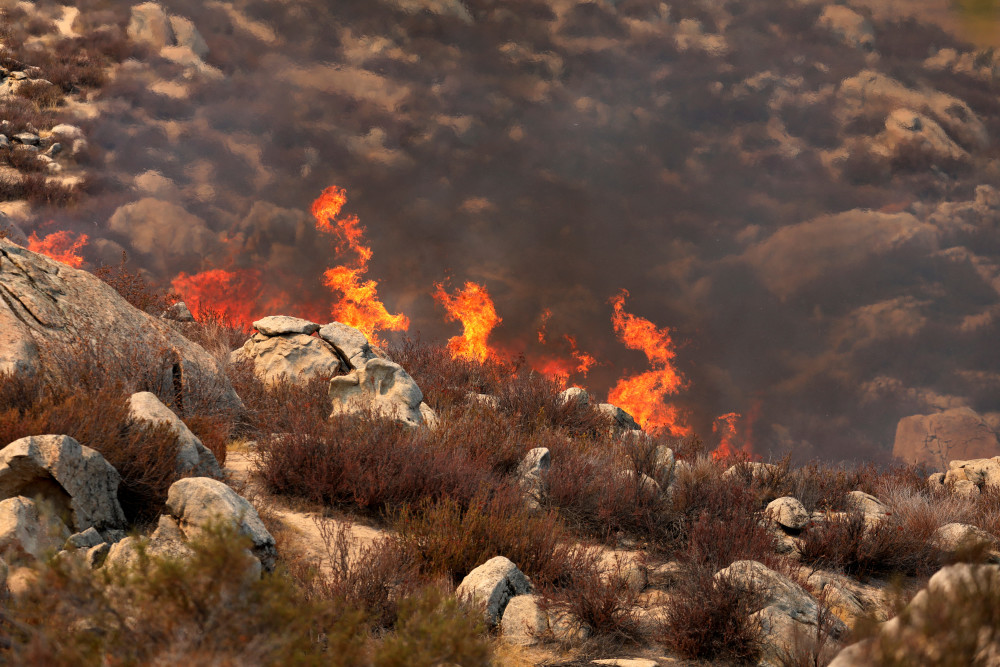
(351, 343)
(192, 455)
(625, 662)
(980, 472)
(294, 357)
(198, 502)
(788, 512)
(149, 25)
(79, 483)
(848, 26)
(964, 487)
(380, 387)
(619, 417)
(957, 539)
(578, 394)
(936, 439)
(848, 599)
(789, 611)
(277, 325)
(531, 474)
(85, 540)
(179, 312)
(751, 471)
(524, 622)
(23, 533)
(867, 503)
(48, 310)
(491, 586)
(186, 35)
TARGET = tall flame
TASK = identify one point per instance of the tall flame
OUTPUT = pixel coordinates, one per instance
(644, 396)
(473, 307)
(221, 292)
(360, 306)
(60, 246)
(725, 427)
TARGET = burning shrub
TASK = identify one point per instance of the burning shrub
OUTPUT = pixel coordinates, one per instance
(864, 549)
(446, 381)
(711, 618)
(448, 537)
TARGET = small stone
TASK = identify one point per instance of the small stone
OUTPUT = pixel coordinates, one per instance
(27, 138)
(788, 512)
(85, 540)
(4, 141)
(277, 325)
(625, 662)
(54, 150)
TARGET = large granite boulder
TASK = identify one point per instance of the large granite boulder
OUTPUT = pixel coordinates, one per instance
(380, 387)
(77, 481)
(934, 440)
(294, 357)
(192, 455)
(351, 343)
(196, 503)
(49, 309)
(491, 586)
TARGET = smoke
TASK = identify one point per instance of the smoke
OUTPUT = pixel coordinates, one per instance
(558, 152)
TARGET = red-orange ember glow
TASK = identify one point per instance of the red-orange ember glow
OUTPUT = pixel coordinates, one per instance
(559, 368)
(360, 306)
(61, 246)
(725, 427)
(473, 307)
(644, 396)
(231, 294)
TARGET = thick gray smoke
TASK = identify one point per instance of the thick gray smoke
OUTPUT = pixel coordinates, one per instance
(729, 163)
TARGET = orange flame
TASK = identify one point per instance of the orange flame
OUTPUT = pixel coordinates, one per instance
(559, 368)
(222, 292)
(360, 306)
(60, 246)
(725, 426)
(473, 307)
(644, 396)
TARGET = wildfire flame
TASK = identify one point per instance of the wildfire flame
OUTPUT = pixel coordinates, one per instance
(473, 307)
(219, 291)
(360, 306)
(725, 427)
(61, 246)
(559, 368)
(644, 396)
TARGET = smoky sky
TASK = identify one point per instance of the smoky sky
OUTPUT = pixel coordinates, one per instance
(707, 157)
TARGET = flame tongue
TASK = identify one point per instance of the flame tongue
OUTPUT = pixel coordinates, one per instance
(725, 427)
(473, 307)
(644, 396)
(360, 306)
(60, 246)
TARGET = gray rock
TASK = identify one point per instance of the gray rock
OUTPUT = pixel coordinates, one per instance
(380, 387)
(936, 439)
(531, 475)
(96, 555)
(179, 312)
(276, 325)
(54, 150)
(491, 586)
(954, 538)
(351, 343)
(4, 141)
(789, 610)
(23, 533)
(85, 540)
(430, 417)
(295, 358)
(27, 138)
(197, 502)
(788, 512)
(149, 25)
(192, 455)
(867, 503)
(79, 483)
(981, 472)
(578, 394)
(755, 470)
(47, 307)
(621, 419)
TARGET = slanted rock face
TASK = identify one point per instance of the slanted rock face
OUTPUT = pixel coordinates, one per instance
(192, 456)
(75, 479)
(935, 439)
(197, 502)
(788, 608)
(352, 344)
(46, 307)
(381, 387)
(296, 357)
(276, 325)
(22, 531)
(622, 419)
(491, 586)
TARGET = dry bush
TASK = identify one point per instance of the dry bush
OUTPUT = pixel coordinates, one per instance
(446, 381)
(710, 618)
(214, 432)
(21, 158)
(217, 332)
(278, 407)
(368, 463)
(862, 549)
(38, 189)
(42, 93)
(135, 288)
(599, 597)
(449, 538)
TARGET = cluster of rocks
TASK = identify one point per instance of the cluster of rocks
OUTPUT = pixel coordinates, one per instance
(59, 499)
(363, 381)
(174, 38)
(967, 478)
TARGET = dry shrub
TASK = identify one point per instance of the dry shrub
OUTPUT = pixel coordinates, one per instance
(862, 549)
(599, 597)
(145, 456)
(450, 538)
(42, 93)
(710, 618)
(443, 380)
(135, 288)
(21, 158)
(217, 332)
(213, 431)
(38, 189)
(365, 462)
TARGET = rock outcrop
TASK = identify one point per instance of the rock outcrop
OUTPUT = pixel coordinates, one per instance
(935, 439)
(491, 586)
(380, 387)
(48, 308)
(23, 533)
(293, 357)
(77, 481)
(192, 455)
